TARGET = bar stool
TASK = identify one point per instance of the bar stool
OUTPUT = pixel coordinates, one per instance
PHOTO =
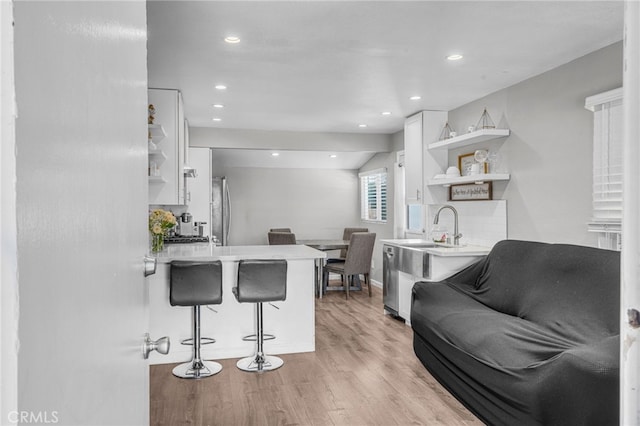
(194, 284)
(260, 281)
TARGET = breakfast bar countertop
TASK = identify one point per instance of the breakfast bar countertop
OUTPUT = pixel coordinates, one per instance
(207, 251)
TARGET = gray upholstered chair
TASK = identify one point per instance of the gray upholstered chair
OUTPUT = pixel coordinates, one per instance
(261, 281)
(281, 238)
(358, 261)
(346, 235)
(280, 230)
(193, 284)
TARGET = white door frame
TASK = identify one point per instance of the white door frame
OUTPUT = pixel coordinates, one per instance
(8, 227)
(630, 285)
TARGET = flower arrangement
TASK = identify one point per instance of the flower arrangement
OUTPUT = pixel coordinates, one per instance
(160, 221)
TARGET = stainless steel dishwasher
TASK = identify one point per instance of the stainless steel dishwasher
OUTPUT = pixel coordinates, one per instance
(410, 260)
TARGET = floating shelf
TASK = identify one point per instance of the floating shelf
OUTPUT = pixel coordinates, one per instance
(157, 179)
(470, 138)
(488, 177)
(157, 132)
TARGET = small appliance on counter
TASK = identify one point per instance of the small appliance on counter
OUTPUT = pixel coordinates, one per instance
(187, 231)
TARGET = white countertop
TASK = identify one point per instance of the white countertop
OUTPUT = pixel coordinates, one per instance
(207, 251)
(464, 250)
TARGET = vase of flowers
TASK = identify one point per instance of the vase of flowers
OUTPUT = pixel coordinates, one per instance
(160, 221)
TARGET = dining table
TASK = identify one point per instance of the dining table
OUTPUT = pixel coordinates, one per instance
(323, 245)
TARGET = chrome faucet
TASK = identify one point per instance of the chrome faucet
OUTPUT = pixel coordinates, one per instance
(456, 235)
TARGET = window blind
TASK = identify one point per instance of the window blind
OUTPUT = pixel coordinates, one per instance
(607, 161)
(373, 190)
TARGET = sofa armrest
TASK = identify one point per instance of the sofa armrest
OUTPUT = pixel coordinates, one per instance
(470, 275)
(584, 382)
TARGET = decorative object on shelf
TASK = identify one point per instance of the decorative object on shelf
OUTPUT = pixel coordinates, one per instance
(453, 172)
(495, 161)
(466, 161)
(447, 132)
(485, 121)
(481, 156)
(471, 129)
(152, 113)
(160, 221)
(471, 192)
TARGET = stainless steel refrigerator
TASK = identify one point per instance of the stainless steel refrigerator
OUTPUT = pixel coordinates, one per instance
(220, 210)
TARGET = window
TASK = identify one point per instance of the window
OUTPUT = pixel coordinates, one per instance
(607, 167)
(373, 195)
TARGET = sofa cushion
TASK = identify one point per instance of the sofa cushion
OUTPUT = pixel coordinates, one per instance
(493, 338)
(569, 290)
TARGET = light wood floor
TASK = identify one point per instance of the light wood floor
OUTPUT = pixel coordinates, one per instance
(364, 372)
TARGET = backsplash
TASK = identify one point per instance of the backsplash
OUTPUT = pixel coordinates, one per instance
(482, 223)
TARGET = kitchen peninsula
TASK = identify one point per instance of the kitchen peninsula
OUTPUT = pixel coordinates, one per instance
(291, 321)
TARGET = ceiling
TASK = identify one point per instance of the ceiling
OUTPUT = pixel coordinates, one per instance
(331, 66)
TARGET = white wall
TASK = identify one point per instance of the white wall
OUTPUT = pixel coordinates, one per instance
(549, 152)
(314, 203)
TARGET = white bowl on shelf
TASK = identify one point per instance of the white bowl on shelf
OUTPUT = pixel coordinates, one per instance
(453, 172)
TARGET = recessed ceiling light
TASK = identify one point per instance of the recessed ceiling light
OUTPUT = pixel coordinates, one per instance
(275, 154)
(415, 98)
(221, 87)
(333, 156)
(218, 106)
(217, 119)
(362, 125)
(454, 57)
(232, 39)
(386, 113)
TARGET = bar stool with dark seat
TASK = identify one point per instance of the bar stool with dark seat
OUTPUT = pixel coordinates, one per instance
(261, 281)
(194, 284)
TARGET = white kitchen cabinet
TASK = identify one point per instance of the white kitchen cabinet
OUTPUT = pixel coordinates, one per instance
(413, 159)
(168, 187)
(199, 190)
(419, 129)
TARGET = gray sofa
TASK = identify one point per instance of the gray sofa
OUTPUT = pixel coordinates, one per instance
(528, 335)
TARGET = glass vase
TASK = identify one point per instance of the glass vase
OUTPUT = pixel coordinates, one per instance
(157, 242)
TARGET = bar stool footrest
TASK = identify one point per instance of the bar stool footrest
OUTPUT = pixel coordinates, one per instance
(203, 341)
(253, 337)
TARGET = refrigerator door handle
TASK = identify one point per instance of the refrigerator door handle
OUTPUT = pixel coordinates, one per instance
(227, 216)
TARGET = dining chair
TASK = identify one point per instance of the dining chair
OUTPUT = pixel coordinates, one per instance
(357, 262)
(281, 238)
(346, 235)
(280, 230)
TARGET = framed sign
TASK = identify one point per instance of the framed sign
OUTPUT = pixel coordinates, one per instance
(471, 192)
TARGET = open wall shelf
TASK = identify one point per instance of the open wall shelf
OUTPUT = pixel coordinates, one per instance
(469, 138)
(488, 177)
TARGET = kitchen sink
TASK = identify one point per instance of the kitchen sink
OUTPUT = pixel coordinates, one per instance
(430, 245)
(419, 245)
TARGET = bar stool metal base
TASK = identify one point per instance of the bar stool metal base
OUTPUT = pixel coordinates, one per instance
(259, 363)
(197, 370)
